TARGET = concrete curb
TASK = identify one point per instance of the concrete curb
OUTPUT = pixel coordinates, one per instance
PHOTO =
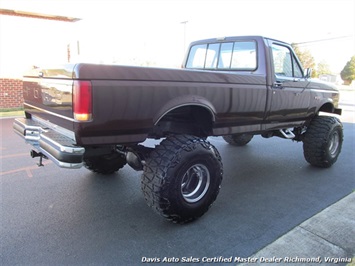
(325, 238)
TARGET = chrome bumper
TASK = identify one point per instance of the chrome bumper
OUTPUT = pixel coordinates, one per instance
(54, 145)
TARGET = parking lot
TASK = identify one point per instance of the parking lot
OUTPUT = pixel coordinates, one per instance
(52, 216)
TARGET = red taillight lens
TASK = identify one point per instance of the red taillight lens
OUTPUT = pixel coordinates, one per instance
(82, 100)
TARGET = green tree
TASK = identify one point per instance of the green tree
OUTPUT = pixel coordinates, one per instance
(306, 58)
(323, 68)
(348, 72)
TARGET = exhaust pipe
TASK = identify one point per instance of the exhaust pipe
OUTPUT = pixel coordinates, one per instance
(137, 155)
(134, 161)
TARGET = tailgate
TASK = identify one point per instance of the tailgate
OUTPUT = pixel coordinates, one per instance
(48, 94)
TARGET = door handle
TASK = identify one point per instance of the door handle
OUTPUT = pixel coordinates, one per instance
(278, 84)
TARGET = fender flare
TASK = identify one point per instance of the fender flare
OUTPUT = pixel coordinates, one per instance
(191, 100)
(328, 106)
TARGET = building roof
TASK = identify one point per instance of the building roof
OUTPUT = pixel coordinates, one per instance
(19, 13)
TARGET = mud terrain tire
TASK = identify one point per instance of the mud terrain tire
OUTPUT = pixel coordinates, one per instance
(182, 178)
(323, 140)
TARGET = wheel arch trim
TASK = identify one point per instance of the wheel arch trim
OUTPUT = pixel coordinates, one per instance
(173, 105)
(329, 107)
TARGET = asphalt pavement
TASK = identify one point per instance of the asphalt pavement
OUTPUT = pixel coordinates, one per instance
(273, 207)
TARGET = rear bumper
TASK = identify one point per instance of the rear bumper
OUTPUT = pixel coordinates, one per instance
(56, 146)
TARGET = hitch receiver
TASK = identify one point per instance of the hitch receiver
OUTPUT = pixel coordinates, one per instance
(41, 156)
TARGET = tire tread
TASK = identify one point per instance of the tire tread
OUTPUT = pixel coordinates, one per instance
(154, 181)
(316, 138)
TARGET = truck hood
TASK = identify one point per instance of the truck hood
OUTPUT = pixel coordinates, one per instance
(320, 84)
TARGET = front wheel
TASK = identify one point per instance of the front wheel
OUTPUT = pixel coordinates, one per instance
(182, 178)
(323, 141)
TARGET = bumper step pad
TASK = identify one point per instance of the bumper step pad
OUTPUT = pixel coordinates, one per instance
(56, 146)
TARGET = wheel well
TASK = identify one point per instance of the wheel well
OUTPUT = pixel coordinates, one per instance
(327, 107)
(191, 119)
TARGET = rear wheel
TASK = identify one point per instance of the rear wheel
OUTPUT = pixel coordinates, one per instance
(323, 140)
(105, 164)
(182, 178)
(238, 139)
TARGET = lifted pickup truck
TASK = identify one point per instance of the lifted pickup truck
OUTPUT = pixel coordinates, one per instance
(98, 116)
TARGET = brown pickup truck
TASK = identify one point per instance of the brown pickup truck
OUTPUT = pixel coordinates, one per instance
(98, 116)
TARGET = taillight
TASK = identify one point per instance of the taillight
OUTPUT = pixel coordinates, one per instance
(82, 100)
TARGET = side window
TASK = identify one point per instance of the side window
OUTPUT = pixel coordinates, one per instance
(284, 62)
(223, 56)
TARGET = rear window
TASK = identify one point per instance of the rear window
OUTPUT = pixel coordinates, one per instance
(239, 55)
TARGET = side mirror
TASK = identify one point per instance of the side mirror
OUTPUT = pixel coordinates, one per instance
(308, 73)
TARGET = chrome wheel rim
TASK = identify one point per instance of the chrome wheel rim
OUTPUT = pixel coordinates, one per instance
(195, 183)
(334, 144)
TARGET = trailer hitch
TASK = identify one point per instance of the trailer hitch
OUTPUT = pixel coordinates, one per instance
(41, 156)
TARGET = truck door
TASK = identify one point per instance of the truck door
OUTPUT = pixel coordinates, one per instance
(290, 98)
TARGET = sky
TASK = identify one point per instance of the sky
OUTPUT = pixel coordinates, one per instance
(139, 32)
